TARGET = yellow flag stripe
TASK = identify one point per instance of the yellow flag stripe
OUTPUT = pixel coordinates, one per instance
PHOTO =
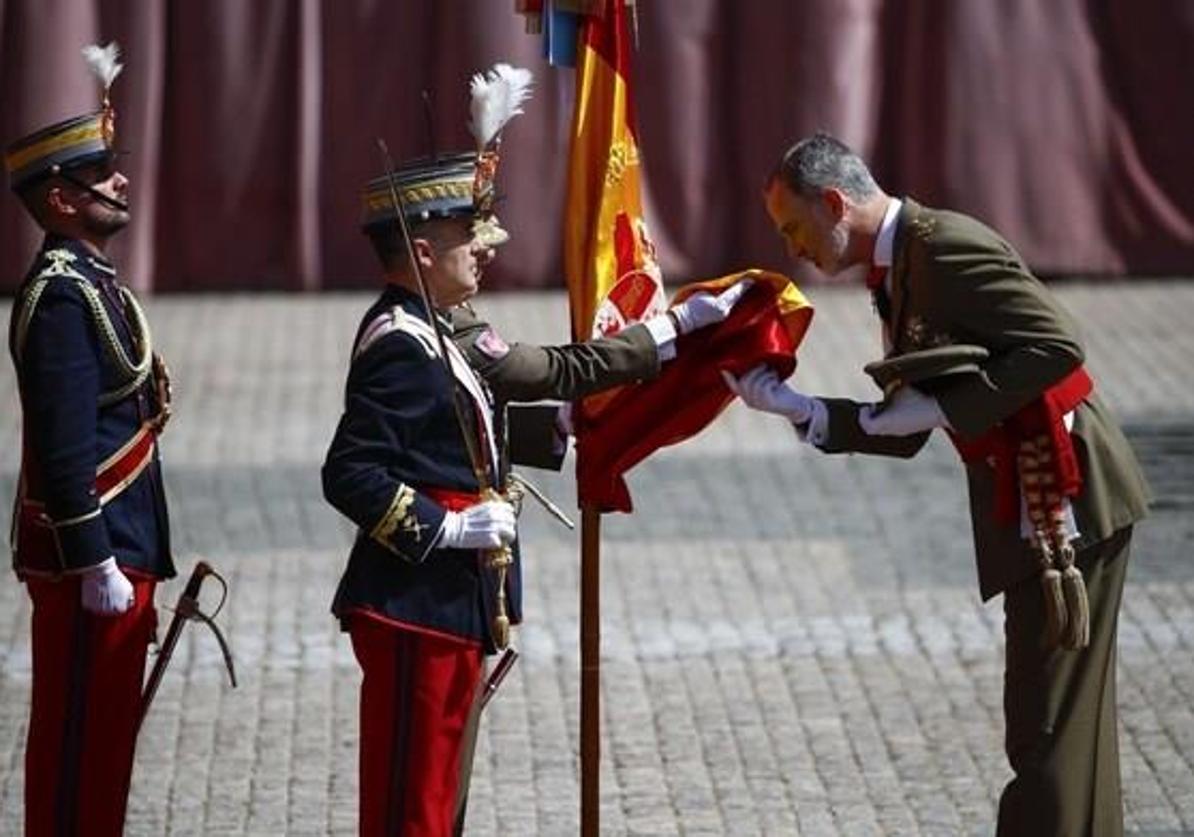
(603, 181)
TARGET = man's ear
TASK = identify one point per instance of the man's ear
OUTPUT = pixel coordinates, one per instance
(57, 202)
(835, 202)
(424, 252)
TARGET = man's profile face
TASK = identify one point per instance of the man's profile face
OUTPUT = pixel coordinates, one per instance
(809, 227)
(459, 259)
(94, 215)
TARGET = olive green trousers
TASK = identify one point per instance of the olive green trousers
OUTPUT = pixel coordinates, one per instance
(1059, 707)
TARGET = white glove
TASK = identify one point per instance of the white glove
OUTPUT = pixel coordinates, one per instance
(106, 590)
(704, 309)
(908, 412)
(486, 525)
(761, 389)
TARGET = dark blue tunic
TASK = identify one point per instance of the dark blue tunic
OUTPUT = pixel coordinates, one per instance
(398, 440)
(64, 366)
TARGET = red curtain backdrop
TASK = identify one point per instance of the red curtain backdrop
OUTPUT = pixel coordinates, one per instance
(250, 126)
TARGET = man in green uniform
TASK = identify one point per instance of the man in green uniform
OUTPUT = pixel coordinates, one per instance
(1049, 472)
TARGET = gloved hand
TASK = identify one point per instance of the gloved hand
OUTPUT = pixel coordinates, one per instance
(909, 411)
(761, 389)
(704, 309)
(486, 525)
(106, 590)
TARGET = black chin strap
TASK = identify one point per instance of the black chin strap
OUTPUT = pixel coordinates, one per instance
(107, 200)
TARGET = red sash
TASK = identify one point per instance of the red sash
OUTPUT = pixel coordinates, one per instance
(1043, 416)
(452, 500)
(121, 469)
(33, 536)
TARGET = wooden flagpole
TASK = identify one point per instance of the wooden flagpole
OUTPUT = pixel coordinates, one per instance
(590, 671)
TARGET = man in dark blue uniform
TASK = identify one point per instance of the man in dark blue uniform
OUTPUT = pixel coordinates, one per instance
(418, 595)
(91, 533)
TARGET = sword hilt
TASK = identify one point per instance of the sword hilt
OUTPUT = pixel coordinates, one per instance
(499, 560)
(188, 608)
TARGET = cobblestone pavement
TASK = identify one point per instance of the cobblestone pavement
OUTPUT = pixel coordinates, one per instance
(793, 643)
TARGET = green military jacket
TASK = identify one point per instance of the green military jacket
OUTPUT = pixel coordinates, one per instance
(521, 372)
(954, 280)
(527, 372)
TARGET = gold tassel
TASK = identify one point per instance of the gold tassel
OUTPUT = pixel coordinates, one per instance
(1073, 586)
(1056, 621)
(499, 560)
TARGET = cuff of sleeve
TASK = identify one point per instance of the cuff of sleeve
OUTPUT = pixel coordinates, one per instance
(966, 405)
(663, 332)
(82, 541)
(410, 526)
(563, 429)
(815, 431)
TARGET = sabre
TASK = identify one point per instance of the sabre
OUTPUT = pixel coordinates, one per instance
(497, 559)
(504, 664)
(496, 675)
(518, 481)
(187, 609)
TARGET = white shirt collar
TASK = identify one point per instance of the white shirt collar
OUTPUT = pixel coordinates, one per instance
(885, 241)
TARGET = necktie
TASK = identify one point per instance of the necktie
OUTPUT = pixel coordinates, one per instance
(879, 296)
(874, 277)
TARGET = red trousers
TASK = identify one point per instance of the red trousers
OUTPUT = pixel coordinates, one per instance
(87, 675)
(416, 697)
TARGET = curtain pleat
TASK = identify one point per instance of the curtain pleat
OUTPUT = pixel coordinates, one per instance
(250, 127)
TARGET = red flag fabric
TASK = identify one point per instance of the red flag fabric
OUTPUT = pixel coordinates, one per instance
(766, 326)
(614, 280)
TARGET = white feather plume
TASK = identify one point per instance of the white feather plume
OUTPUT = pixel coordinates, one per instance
(104, 62)
(497, 96)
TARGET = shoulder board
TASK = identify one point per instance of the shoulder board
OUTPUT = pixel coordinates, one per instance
(60, 262)
(396, 320)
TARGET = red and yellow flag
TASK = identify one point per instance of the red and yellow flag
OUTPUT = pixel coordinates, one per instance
(766, 326)
(609, 259)
(614, 280)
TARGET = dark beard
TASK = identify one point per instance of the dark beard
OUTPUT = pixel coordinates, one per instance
(106, 223)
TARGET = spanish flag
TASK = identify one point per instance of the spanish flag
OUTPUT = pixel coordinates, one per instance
(614, 281)
(766, 326)
(609, 260)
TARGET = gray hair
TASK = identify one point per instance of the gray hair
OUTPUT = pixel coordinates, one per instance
(822, 162)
